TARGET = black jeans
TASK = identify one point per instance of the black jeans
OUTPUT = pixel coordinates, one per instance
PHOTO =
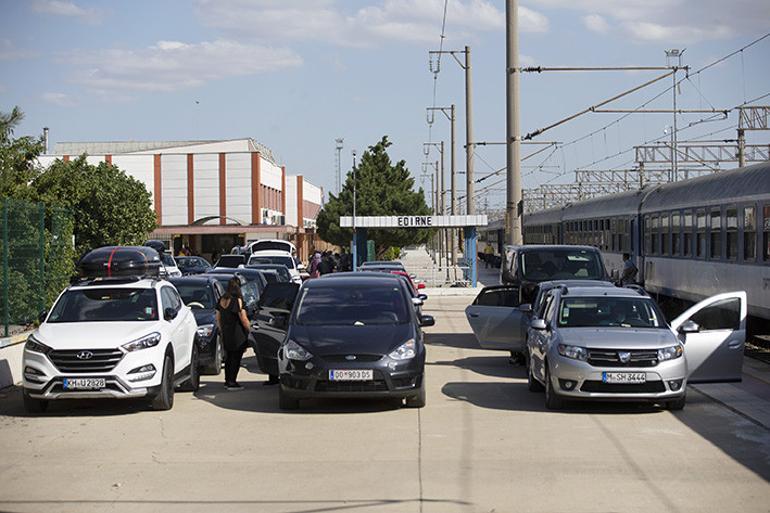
(233, 365)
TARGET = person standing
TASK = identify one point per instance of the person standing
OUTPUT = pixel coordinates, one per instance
(629, 271)
(234, 327)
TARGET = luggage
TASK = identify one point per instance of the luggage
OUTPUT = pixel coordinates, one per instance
(120, 261)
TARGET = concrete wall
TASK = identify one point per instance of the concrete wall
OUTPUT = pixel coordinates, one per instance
(11, 355)
(238, 188)
(206, 186)
(173, 179)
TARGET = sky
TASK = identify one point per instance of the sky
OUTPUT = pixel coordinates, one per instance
(297, 74)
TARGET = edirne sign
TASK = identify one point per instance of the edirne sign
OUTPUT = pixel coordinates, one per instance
(413, 221)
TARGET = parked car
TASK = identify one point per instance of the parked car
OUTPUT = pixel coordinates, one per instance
(278, 257)
(230, 261)
(193, 265)
(351, 336)
(120, 333)
(272, 245)
(418, 299)
(613, 343)
(250, 275)
(380, 265)
(201, 294)
(281, 270)
(249, 289)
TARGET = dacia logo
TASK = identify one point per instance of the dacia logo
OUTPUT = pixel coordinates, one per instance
(624, 356)
(84, 355)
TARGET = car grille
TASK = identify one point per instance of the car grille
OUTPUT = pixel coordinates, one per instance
(103, 360)
(610, 358)
(377, 385)
(631, 388)
(358, 357)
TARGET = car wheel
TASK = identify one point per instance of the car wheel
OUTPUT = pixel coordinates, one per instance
(532, 384)
(32, 405)
(216, 365)
(193, 383)
(417, 400)
(286, 402)
(164, 400)
(552, 399)
(676, 404)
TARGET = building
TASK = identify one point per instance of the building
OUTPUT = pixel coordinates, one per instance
(212, 195)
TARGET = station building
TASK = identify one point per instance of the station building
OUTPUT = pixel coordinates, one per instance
(212, 195)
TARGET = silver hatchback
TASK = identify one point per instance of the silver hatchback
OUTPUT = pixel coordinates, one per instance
(610, 343)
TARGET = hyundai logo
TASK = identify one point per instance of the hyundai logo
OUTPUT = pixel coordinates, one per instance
(624, 356)
(350, 357)
(84, 355)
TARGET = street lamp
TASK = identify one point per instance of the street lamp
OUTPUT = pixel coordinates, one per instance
(355, 234)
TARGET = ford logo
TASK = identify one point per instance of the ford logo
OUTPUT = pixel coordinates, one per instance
(624, 356)
(350, 357)
(84, 355)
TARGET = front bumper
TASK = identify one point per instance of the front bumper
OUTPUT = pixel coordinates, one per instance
(115, 389)
(575, 379)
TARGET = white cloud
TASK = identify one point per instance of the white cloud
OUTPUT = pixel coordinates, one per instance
(67, 8)
(334, 22)
(596, 23)
(675, 21)
(173, 65)
(60, 99)
(9, 51)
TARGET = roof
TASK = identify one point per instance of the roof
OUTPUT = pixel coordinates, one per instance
(195, 278)
(603, 291)
(528, 248)
(349, 280)
(365, 274)
(119, 282)
(270, 253)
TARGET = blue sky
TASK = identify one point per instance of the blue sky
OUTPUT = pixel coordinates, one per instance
(295, 75)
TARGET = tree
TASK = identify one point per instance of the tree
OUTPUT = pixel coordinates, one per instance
(382, 189)
(17, 157)
(109, 207)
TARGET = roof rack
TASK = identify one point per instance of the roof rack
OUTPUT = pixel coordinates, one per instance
(112, 280)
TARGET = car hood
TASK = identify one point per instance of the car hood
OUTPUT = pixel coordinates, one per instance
(204, 315)
(93, 335)
(618, 338)
(329, 340)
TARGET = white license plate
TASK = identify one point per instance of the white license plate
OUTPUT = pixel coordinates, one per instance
(351, 375)
(84, 383)
(624, 377)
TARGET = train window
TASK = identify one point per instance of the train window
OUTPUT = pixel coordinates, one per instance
(766, 234)
(675, 234)
(749, 234)
(654, 241)
(626, 236)
(687, 225)
(715, 234)
(665, 228)
(731, 235)
(648, 234)
(700, 236)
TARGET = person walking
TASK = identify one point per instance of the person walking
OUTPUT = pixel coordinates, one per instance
(234, 327)
(315, 261)
(629, 271)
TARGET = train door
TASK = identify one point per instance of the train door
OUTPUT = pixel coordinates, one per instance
(635, 246)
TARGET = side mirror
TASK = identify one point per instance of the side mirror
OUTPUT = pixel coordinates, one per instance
(689, 327)
(416, 301)
(427, 320)
(526, 308)
(423, 297)
(539, 324)
(42, 316)
(169, 314)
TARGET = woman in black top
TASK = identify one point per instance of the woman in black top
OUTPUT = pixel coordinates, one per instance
(234, 326)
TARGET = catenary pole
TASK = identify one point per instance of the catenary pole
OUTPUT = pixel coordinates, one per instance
(513, 178)
(469, 202)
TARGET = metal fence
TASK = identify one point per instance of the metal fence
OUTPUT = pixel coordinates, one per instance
(37, 260)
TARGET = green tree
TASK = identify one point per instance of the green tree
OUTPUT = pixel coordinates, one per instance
(109, 207)
(382, 189)
(17, 157)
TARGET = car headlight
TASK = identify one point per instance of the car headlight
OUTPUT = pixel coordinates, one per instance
(205, 330)
(670, 353)
(151, 340)
(294, 351)
(405, 351)
(574, 352)
(36, 346)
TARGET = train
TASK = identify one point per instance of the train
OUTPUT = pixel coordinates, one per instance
(689, 239)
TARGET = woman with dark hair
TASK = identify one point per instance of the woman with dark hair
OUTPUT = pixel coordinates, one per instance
(234, 327)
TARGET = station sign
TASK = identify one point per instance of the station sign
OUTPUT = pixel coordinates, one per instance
(413, 221)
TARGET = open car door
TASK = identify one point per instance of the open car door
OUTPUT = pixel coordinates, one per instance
(272, 319)
(715, 352)
(496, 320)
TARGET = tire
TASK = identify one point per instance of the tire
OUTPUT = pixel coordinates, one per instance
(417, 400)
(164, 400)
(533, 385)
(286, 402)
(552, 399)
(676, 404)
(193, 383)
(215, 367)
(32, 405)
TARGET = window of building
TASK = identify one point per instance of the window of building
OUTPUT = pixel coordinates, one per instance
(731, 233)
(665, 228)
(687, 228)
(715, 234)
(700, 235)
(676, 245)
(749, 234)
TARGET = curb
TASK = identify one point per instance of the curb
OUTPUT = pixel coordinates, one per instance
(18, 338)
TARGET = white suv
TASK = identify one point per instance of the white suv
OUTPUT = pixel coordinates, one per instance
(277, 257)
(121, 337)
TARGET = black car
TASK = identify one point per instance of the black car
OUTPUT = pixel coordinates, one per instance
(249, 289)
(283, 272)
(232, 261)
(201, 294)
(250, 275)
(417, 298)
(353, 336)
(193, 265)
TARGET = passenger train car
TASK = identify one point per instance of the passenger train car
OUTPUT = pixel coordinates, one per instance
(690, 239)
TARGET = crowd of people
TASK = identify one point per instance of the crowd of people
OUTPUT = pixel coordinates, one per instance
(328, 262)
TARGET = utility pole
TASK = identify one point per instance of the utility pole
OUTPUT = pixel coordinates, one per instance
(338, 163)
(513, 176)
(355, 234)
(452, 234)
(469, 203)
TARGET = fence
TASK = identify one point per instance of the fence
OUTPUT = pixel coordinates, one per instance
(37, 259)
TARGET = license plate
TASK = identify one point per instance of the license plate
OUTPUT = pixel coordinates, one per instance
(84, 383)
(351, 375)
(624, 377)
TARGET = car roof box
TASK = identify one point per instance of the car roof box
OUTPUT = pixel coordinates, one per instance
(120, 261)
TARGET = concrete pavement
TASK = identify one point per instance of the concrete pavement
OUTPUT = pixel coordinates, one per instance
(482, 444)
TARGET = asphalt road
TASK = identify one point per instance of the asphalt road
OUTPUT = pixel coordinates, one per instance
(482, 444)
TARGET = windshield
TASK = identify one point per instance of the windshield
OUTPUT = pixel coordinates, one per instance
(196, 295)
(167, 260)
(561, 264)
(101, 304)
(231, 261)
(591, 312)
(280, 270)
(191, 263)
(352, 306)
(286, 261)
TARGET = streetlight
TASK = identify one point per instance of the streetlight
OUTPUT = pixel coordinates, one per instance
(355, 234)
